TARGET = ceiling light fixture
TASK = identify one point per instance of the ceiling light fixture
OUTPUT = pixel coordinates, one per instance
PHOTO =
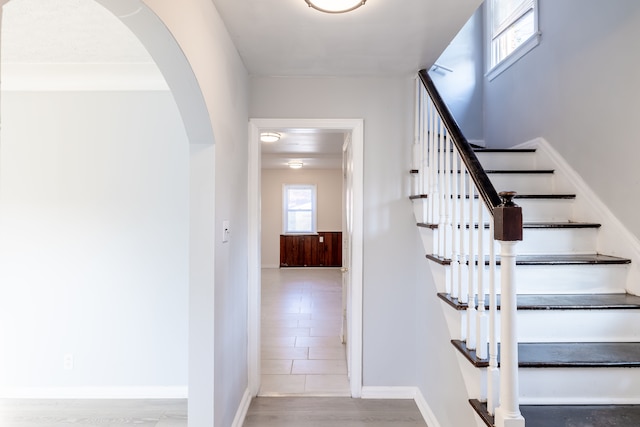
(270, 137)
(294, 164)
(335, 6)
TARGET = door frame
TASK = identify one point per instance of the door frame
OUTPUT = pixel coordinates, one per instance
(355, 309)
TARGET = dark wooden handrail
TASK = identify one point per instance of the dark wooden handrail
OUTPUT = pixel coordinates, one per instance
(485, 188)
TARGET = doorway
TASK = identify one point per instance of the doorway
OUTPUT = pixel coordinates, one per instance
(353, 305)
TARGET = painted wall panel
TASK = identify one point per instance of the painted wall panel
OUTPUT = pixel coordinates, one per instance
(93, 240)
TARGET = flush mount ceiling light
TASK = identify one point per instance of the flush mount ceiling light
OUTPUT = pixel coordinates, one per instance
(295, 164)
(269, 136)
(335, 6)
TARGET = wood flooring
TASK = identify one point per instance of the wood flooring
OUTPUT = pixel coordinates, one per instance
(332, 412)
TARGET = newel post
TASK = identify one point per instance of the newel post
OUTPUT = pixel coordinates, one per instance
(508, 230)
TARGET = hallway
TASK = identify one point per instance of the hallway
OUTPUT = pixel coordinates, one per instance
(302, 353)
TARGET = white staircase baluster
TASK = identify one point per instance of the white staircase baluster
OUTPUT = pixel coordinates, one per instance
(493, 373)
(455, 226)
(448, 176)
(433, 175)
(416, 149)
(471, 288)
(481, 348)
(442, 179)
(463, 267)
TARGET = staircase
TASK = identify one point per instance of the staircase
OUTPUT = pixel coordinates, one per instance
(578, 329)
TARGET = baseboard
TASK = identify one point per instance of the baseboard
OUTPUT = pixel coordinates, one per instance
(389, 392)
(425, 410)
(615, 239)
(413, 393)
(238, 421)
(94, 392)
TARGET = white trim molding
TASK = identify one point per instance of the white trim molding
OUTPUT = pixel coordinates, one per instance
(403, 393)
(177, 392)
(243, 408)
(356, 127)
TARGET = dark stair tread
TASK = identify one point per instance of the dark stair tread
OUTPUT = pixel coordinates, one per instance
(568, 259)
(561, 196)
(520, 171)
(533, 225)
(505, 150)
(570, 415)
(508, 171)
(560, 302)
(567, 354)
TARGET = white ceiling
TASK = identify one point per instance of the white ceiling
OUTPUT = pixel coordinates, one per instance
(273, 37)
(383, 37)
(315, 148)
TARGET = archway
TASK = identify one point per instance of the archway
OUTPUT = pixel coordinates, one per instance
(183, 84)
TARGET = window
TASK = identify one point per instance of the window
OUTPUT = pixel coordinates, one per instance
(513, 30)
(299, 208)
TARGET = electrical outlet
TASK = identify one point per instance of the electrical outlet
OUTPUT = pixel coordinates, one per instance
(225, 231)
(67, 362)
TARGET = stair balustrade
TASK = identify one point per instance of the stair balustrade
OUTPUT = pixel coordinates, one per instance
(464, 209)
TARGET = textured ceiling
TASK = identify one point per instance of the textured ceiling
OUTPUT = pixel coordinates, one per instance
(66, 31)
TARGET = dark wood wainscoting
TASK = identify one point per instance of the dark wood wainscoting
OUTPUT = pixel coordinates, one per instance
(311, 250)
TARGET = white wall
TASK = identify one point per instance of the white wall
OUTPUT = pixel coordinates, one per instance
(218, 288)
(402, 347)
(93, 242)
(579, 90)
(462, 88)
(329, 198)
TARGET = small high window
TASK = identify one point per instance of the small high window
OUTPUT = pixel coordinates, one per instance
(513, 30)
(299, 213)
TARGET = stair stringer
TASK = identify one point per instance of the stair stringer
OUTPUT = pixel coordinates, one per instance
(473, 377)
(614, 238)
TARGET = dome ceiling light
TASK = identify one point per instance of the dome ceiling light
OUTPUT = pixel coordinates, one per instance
(294, 164)
(270, 137)
(335, 6)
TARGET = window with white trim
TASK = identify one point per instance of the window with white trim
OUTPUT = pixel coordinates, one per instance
(513, 30)
(299, 208)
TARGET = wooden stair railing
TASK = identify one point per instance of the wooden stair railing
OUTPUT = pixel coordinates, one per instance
(458, 200)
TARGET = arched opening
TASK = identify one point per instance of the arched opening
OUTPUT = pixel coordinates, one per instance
(118, 273)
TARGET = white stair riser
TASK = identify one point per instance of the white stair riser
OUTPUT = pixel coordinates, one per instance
(523, 183)
(558, 241)
(570, 279)
(578, 325)
(559, 279)
(562, 325)
(507, 161)
(539, 210)
(579, 385)
(533, 210)
(550, 241)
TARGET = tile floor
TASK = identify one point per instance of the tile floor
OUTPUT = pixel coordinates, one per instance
(302, 353)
